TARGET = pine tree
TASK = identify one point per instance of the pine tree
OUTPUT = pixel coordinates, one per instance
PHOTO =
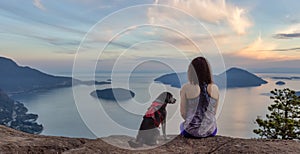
(284, 120)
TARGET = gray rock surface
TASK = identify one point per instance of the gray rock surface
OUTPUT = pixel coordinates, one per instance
(12, 141)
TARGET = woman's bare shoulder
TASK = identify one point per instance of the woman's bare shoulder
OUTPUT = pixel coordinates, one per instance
(190, 90)
(188, 85)
(214, 86)
(213, 90)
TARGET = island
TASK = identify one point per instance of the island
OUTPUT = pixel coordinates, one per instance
(237, 77)
(280, 83)
(95, 82)
(15, 79)
(113, 94)
(173, 79)
(14, 114)
(231, 78)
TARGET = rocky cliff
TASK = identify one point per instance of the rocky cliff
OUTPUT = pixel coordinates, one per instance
(12, 141)
(14, 114)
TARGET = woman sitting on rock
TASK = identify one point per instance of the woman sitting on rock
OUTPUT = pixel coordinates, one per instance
(199, 101)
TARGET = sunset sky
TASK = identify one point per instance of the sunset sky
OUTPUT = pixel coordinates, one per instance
(46, 34)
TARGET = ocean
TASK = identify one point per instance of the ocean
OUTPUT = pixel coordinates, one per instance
(72, 112)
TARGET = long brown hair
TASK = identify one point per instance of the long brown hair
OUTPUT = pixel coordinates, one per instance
(199, 71)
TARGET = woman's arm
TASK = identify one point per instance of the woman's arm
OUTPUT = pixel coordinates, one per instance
(182, 103)
(213, 91)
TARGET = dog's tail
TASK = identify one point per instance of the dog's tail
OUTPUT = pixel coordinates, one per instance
(134, 144)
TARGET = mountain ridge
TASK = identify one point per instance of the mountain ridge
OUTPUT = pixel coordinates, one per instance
(15, 79)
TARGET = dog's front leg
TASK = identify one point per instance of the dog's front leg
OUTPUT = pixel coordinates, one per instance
(163, 126)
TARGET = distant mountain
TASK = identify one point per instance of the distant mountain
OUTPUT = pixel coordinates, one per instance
(235, 77)
(173, 79)
(285, 69)
(286, 78)
(17, 79)
(14, 114)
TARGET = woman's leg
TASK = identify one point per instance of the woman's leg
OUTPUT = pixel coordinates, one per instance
(185, 133)
(181, 128)
(214, 133)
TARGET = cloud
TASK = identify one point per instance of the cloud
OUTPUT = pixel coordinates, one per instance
(262, 50)
(286, 49)
(38, 4)
(291, 32)
(120, 45)
(238, 21)
(286, 36)
(68, 52)
(262, 65)
(212, 11)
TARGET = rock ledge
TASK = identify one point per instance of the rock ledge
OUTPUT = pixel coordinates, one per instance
(12, 141)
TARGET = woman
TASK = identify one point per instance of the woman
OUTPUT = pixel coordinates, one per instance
(199, 101)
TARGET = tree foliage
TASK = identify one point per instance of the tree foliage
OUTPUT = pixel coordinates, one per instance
(283, 122)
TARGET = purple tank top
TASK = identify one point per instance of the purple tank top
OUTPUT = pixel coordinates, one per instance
(200, 115)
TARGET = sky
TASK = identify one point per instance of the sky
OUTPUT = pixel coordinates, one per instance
(53, 35)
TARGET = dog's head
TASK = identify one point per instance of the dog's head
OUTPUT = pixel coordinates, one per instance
(167, 98)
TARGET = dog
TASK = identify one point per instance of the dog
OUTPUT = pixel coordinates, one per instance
(156, 114)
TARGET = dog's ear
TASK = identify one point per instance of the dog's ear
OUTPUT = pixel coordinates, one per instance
(169, 97)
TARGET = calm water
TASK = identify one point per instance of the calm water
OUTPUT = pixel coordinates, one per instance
(62, 114)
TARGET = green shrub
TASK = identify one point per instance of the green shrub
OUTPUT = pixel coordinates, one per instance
(283, 122)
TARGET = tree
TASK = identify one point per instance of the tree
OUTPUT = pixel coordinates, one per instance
(284, 120)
